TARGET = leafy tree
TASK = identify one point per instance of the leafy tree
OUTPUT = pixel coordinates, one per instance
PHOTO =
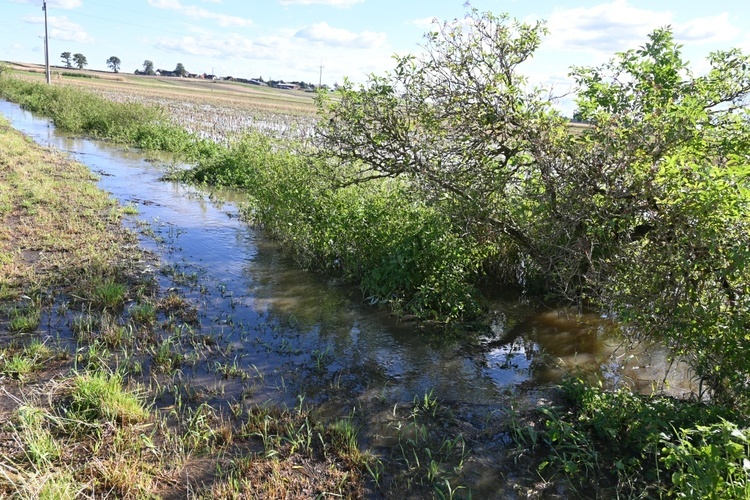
(644, 212)
(67, 59)
(180, 70)
(148, 67)
(80, 60)
(114, 63)
(670, 150)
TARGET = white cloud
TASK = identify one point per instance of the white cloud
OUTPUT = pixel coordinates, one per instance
(54, 4)
(281, 55)
(60, 28)
(618, 25)
(707, 30)
(200, 13)
(337, 37)
(607, 27)
(332, 3)
(423, 22)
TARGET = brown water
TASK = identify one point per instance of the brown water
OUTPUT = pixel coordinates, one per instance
(293, 333)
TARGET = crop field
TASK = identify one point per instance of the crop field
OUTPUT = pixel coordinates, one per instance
(215, 110)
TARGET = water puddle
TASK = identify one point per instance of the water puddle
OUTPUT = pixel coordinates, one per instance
(280, 332)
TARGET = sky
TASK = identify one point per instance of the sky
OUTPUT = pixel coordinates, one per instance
(328, 40)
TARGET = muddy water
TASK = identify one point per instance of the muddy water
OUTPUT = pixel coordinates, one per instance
(292, 333)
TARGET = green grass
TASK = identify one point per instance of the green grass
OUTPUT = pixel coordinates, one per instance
(109, 294)
(24, 319)
(21, 363)
(103, 396)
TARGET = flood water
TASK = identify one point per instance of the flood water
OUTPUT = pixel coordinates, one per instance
(293, 333)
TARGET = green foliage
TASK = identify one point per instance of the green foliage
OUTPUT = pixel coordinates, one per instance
(148, 67)
(673, 211)
(67, 58)
(633, 444)
(114, 63)
(643, 213)
(710, 462)
(101, 396)
(402, 251)
(80, 60)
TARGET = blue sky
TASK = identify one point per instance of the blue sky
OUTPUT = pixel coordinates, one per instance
(291, 39)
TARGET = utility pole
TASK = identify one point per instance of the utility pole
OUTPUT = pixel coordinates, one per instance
(320, 78)
(46, 44)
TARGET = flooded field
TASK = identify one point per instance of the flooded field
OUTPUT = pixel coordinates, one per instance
(266, 332)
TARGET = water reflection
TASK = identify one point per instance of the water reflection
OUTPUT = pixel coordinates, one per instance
(307, 335)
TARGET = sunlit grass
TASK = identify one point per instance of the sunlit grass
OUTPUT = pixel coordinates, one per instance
(102, 395)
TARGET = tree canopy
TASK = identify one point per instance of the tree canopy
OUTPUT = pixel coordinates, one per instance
(114, 63)
(148, 67)
(67, 58)
(642, 212)
(80, 60)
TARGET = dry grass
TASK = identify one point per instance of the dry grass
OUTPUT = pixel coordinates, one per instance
(53, 219)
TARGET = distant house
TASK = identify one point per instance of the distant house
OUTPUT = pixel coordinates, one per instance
(257, 82)
(164, 72)
(286, 86)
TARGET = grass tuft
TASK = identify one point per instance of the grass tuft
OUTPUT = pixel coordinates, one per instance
(102, 396)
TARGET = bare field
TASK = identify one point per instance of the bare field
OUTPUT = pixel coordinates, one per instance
(219, 93)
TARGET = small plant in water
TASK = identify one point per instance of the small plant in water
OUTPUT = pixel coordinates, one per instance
(109, 294)
(102, 396)
(24, 319)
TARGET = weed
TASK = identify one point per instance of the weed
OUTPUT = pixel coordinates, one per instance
(143, 313)
(24, 319)
(109, 294)
(100, 395)
(130, 209)
(164, 359)
(40, 446)
(19, 364)
(626, 443)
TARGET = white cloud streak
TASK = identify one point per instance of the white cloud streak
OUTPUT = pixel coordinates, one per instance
(62, 29)
(200, 13)
(332, 3)
(54, 4)
(618, 25)
(336, 37)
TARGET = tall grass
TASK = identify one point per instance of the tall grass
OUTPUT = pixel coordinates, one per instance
(77, 111)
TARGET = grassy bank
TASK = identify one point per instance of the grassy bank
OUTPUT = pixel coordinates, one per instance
(93, 403)
(80, 112)
(402, 251)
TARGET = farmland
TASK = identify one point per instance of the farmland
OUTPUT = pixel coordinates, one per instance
(423, 198)
(216, 110)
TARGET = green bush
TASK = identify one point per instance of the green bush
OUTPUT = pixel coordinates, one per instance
(625, 443)
(401, 251)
